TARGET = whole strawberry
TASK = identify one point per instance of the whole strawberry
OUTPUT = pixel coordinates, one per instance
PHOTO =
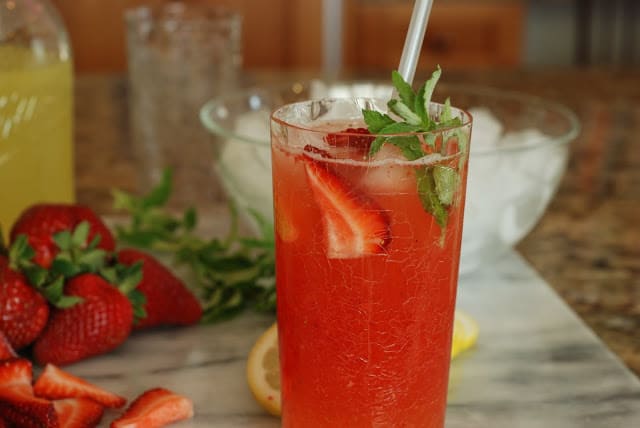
(98, 324)
(23, 311)
(169, 301)
(40, 222)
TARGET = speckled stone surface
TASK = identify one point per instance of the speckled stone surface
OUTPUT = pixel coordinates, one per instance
(536, 365)
(587, 246)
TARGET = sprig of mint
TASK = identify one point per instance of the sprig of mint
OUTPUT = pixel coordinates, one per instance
(436, 183)
(229, 274)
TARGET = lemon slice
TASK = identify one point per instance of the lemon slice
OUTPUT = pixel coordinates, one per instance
(465, 333)
(263, 370)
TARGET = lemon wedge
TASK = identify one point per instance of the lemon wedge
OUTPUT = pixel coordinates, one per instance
(263, 369)
(465, 333)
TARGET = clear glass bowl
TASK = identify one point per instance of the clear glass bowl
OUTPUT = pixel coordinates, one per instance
(519, 152)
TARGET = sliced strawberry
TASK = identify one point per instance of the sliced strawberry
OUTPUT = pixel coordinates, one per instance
(78, 412)
(18, 405)
(55, 383)
(15, 372)
(354, 225)
(311, 149)
(155, 408)
(6, 350)
(359, 138)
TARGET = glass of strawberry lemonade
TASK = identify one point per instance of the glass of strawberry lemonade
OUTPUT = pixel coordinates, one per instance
(368, 232)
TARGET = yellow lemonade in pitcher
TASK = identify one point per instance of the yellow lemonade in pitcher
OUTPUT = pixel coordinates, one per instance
(36, 149)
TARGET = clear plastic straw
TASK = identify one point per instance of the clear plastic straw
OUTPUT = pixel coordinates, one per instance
(413, 42)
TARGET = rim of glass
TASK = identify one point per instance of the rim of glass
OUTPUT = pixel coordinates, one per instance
(214, 15)
(467, 121)
(207, 112)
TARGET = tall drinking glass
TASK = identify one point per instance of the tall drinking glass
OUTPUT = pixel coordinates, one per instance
(367, 252)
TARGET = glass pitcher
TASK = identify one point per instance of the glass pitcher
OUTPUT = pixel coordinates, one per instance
(36, 148)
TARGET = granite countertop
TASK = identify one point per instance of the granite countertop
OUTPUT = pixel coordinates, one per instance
(587, 246)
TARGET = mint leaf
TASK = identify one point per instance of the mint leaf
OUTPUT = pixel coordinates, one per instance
(404, 89)
(160, 194)
(393, 128)
(402, 110)
(446, 115)
(228, 274)
(446, 181)
(429, 197)
(419, 108)
(436, 184)
(429, 87)
(375, 120)
(190, 219)
(376, 145)
(410, 146)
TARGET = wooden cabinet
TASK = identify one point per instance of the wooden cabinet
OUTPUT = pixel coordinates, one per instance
(460, 33)
(287, 34)
(97, 31)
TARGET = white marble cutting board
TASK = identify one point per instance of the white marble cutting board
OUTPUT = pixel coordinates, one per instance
(536, 364)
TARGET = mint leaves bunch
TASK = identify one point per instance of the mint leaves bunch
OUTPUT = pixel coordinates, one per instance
(437, 183)
(229, 274)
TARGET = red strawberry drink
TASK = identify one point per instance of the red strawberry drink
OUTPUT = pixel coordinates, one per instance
(368, 234)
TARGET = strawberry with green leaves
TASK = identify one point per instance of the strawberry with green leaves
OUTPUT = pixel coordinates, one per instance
(23, 311)
(99, 323)
(94, 300)
(40, 223)
(168, 300)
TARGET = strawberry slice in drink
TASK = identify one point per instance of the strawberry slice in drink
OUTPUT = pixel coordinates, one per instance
(359, 138)
(354, 225)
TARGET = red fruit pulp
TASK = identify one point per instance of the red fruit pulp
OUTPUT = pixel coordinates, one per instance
(364, 341)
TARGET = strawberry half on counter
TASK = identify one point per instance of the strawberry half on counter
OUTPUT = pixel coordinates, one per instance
(42, 221)
(23, 311)
(55, 384)
(354, 226)
(155, 408)
(78, 412)
(18, 405)
(168, 300)
(98, 324)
